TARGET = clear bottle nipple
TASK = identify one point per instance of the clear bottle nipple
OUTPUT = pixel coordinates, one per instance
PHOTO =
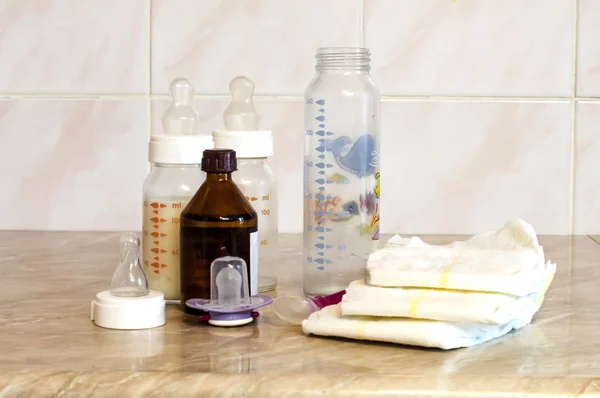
(181, 118)
(129, 279)
(241, 113)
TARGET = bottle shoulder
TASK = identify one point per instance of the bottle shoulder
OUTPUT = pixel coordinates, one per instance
(221, 199)
(182, 182)
(350, 84)
(256, 173)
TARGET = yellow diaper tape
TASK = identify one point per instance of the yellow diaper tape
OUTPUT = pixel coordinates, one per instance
(446, 272)
(360, 329)
(392, 244)
(540, 297)
(412, 308)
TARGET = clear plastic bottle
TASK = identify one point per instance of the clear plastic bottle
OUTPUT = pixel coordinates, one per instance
(341, 170)
(175, 176)
(254, 176)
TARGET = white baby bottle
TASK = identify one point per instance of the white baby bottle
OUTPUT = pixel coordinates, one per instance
(254, 176)
(174, 178)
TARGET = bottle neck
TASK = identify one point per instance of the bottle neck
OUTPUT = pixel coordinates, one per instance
(343, 59)
(214, 177)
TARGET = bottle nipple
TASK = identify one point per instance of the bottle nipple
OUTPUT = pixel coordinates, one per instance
(129, 279)
(241, 113)
(181, 118)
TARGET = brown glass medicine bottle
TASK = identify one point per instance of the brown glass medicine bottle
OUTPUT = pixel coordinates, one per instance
(218, 221)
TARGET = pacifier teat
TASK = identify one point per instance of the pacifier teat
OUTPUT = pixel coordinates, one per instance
(229, 282)
(129, 279)
(181, 118)
(241, 113)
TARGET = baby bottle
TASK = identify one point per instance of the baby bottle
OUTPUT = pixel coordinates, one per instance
(174, 178)
(254, 176)
(341, 170)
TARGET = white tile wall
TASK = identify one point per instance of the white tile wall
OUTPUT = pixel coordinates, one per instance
(72, 164)
(588, 55)
(272, 41)
(471, 47)
(68, 47)
(587, 177)
(490, 106)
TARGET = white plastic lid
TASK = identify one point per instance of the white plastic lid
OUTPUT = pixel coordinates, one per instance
(178, 150)
(142, 312)
(241, 124)
(180, 143)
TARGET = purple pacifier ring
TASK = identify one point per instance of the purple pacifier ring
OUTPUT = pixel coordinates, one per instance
(232, 316)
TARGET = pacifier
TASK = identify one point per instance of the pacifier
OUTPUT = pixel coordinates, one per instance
(230, 303)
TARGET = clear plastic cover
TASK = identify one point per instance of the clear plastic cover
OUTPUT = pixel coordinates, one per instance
(229, 282)
(129, 279)
(294, 309)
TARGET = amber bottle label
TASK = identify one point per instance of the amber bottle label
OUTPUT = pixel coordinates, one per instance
(201, 246)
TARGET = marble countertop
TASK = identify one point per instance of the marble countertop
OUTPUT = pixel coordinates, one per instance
(49, 346)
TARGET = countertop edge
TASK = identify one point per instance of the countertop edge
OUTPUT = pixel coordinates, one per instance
(163, 383)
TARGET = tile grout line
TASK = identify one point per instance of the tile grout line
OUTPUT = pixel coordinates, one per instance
(385, 98)
(149, 73)
(361, 23)
(389, 98)
(574, 53)
(149, 64)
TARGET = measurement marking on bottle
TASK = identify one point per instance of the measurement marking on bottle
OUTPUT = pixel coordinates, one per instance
(322, 211)
(176, 205)
(266, 197)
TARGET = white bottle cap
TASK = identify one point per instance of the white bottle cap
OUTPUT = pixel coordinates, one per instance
(143, 312)
(241, 124)
(180, 143)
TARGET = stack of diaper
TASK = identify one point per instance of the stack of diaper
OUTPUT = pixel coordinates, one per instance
(449, 296)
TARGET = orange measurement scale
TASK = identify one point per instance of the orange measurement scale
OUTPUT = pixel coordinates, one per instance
(160, 246)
